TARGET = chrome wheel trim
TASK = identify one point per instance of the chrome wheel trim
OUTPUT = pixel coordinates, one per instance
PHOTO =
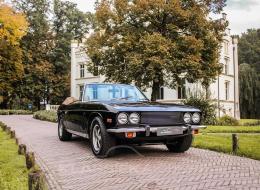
(96, 138)
(60, 129)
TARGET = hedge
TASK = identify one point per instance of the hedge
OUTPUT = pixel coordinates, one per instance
(15, 112)
(46, 115)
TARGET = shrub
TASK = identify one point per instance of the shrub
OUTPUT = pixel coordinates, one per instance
(249, 122)
(15, 112)
(207, 107)
(45, 115)
(227, 120)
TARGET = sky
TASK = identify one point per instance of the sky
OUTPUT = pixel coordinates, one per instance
(242, 14)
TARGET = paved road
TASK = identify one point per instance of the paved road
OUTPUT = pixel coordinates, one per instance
(71, 165)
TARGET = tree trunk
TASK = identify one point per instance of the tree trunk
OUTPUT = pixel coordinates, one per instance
(207, 92)
(4, 103)
(155, 90)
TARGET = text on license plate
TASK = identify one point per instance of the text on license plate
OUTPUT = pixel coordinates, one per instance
(163, 131)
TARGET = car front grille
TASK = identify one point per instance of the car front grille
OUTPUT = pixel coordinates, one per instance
(161, 118)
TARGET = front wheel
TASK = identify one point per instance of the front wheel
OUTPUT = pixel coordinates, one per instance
(101, 142)
(63, 134)
(181, 145)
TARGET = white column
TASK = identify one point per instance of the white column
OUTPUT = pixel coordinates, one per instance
(73, 75)
(236, 83)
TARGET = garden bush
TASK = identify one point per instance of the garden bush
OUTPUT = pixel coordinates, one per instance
(227, 120)
(249, 122)
(46, 115)
(207, 107)
(15, 112)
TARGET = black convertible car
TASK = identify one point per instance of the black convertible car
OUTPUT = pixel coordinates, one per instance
(113, 114)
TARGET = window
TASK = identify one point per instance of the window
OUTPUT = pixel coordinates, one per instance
(160, 94)
(226, 44)
(226, 66)
(226, 90)
(82, 71)
(182, 90)
(81, 88)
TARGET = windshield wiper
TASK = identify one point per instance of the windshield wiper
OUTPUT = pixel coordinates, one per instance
(125, 98)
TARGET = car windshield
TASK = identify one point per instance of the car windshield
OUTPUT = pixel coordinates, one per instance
(110, 92)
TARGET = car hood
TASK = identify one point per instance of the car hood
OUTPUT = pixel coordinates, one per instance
(150, 106)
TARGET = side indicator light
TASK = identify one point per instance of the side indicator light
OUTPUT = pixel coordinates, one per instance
(130, 135)
(195, 132)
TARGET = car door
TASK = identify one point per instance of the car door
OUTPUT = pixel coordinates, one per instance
(73, 117)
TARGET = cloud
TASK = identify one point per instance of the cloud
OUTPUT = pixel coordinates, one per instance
(242, 4)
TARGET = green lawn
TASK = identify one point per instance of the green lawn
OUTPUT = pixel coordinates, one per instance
(249, 122)
(249, 144)
(13, 172)
(231, 129)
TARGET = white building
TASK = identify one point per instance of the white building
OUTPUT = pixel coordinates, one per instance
(225, 91)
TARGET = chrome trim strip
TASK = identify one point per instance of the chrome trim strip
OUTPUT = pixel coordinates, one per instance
(78, 133)
(124, 130)
(194, 127)
(141, 129)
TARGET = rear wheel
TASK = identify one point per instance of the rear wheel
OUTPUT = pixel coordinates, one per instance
(101, 142)
(181, 145)
(63, 134)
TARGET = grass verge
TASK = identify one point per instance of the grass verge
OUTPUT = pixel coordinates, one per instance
(13, 171)
(231, 129)
(249, 144)
(46, 115)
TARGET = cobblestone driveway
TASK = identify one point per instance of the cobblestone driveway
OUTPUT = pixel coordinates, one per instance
(71, 165)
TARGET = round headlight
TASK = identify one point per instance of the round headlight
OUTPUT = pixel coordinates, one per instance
(122, 118)
(196, 118)
(134, 118)
(187, 118)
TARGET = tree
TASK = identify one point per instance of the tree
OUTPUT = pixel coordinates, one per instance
(249, 91)
(68, 24)
(249, 52)
(156, 42)
(36, 49)
(13, 26)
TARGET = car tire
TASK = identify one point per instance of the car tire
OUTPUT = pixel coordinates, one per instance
(63, 134)
(181, 145)
(99, 135)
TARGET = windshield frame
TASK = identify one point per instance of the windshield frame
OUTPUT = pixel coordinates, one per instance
(83, 99)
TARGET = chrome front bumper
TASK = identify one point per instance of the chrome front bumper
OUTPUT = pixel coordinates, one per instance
(147, 129)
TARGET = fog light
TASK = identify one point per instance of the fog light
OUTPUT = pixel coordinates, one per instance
(130, 135)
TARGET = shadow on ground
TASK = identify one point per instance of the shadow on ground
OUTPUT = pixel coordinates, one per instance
(151, 150)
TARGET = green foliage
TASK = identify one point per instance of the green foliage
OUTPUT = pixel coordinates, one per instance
(15, 112)
(249, 144)
(13, 172)
(249, 91)
(46, 48)
(227, 120)
(249, 52)
(231, 129)
(249, 122)
(152, 42)
(13, 27)
(46, 115)
(207, 107)
(68, 24)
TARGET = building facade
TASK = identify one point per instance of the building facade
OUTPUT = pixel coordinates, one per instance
(224, 91)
